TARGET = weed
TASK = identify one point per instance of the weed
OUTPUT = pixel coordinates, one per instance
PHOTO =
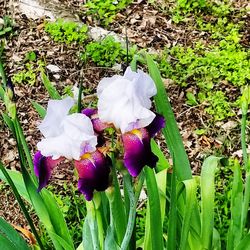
(140, 223)
(184, 8)
(6, 26)
(206, 68)
(107, 52)
(31, 69)
(219, 107)
(67, 31)
(105, 11)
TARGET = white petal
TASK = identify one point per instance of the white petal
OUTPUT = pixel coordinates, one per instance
(77, 133)
(57, 110)
(125, 101)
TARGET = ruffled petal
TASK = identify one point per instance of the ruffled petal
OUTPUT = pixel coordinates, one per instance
(137, 151)
(57, 110)
(76, 138)
(124, 102)
(93, 170)
(143, 84)
(43, 167)
(156, 125)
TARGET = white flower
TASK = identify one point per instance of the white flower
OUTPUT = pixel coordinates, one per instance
(65, 135)
(125, 100)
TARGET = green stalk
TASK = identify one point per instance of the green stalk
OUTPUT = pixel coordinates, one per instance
(172, 225)
(21, 203)
(243, 140)
(133, 198)
(91, 212)
(246, 197)
(97, 206)
(20, 135)
(2, 73)
(117, 209)
(79, 101)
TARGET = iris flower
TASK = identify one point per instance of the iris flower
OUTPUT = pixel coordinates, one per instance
(124, 101)
(70, 136)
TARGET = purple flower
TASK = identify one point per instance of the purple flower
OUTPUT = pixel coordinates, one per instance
(93, 170)
(70, 136)
(137, 149)
(43, 167)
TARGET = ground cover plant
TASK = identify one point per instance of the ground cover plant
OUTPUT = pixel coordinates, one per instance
(198, 209)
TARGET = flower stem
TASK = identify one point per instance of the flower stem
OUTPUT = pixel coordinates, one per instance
(133, 197)
(246, 196)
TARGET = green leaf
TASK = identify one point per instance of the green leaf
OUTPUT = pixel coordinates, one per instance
(86, 236)
(53, 93)
(110, 243)
(8, 122)
(172, 224)
(235, 231)
(207, 199)
(6, 244)
(191, 189)
(57, 219)
(244, 244)
(162, 161)
(39, 108)
(191, 100)
(117, 207)
(156, 231)
(11, 234)
(171, 131)
(18, 181)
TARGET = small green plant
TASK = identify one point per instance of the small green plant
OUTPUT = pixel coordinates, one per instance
(207, 67)
(27, 75)
(107, 52)
(31, 68)
(67, 31)
(184, 8)
(6, 26)
(105, 11)
(219, 107)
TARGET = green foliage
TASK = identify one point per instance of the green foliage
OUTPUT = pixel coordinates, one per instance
(27, 75)
(206, 68)
(67, 31)
(223, 186)
(105, 11)
(219, 107)
(30, 70)
(72, 206)
(184, 8)
(6, 28)
(220, 29)
(140, 223)
(107, 52)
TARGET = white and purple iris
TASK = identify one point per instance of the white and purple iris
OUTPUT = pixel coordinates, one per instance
(70, 136)
(123, 102)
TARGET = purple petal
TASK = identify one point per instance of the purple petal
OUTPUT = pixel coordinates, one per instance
(137, 151)
(156, 125)
(43, 167)
(93, 171)
(89, 112)
(97, 124)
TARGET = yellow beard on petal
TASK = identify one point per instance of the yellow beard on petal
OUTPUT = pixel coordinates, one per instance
(137, 132)
(86, 156)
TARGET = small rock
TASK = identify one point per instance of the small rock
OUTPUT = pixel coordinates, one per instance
(53, 68)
